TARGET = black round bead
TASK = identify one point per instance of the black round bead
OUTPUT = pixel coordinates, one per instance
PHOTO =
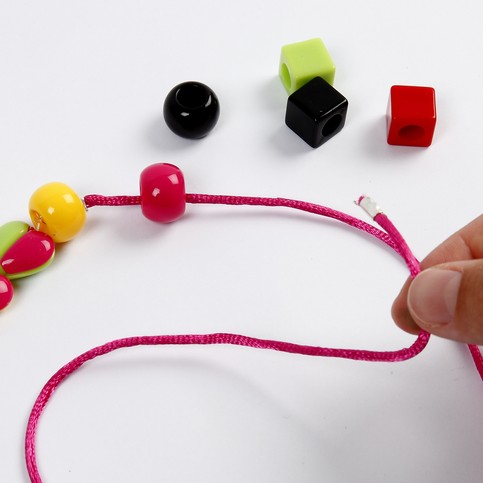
(191, 110)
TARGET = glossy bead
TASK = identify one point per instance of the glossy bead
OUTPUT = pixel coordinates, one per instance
(9, 233)
(6, 292)
(191, 110)
(411, 116)
(55, 209)
(302, 61)
(30, 254)
(163, 196)
(316, 112)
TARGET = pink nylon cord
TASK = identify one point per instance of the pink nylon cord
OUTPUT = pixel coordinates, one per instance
(390, 236)
(100, 200)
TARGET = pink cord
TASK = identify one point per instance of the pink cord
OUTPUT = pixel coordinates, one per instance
(100, 200)
(390, 236)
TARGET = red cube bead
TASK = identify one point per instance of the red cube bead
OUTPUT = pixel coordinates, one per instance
(411, 116)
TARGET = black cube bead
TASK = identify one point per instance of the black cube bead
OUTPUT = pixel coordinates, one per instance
(316, 112)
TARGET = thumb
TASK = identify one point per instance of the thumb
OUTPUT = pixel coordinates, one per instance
(447, 300)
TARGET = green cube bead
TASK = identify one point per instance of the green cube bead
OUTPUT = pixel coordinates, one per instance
(302, 61)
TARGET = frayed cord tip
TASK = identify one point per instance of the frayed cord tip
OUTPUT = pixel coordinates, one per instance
(369, 206)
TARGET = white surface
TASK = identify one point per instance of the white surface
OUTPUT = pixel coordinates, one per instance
(82, 86)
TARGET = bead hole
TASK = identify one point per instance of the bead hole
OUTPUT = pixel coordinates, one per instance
(411, 132)
(285, 75)
(192, 96)
(331, 125)
(38, 221)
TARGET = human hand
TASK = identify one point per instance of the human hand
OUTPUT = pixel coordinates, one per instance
(446, 298)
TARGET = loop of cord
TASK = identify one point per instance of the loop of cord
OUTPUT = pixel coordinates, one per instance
(390, 236)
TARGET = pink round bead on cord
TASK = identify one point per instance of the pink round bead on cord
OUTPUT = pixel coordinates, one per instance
(163, 195)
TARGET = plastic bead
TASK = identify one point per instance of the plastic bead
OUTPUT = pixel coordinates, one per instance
(191, 110)
(55, 209)
(316, 112)
(10, 233)
(30, 254)
(411, 116)
(6, 292)
(163, 197)
(302, 61)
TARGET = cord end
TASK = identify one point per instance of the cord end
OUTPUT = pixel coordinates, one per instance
(369, 206)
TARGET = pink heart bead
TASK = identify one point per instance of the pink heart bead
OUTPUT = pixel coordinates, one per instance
(163, 197)
(6, 291)
(29, 254)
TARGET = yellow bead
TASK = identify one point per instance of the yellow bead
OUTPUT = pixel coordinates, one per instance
(56, 209)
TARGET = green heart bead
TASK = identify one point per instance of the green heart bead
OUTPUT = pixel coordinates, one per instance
(28, 255)
(9, 234)
(29, 272)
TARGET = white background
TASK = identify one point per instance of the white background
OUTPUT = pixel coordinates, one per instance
(82, 85)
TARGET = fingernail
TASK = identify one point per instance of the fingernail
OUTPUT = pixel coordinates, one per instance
(432, 296)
